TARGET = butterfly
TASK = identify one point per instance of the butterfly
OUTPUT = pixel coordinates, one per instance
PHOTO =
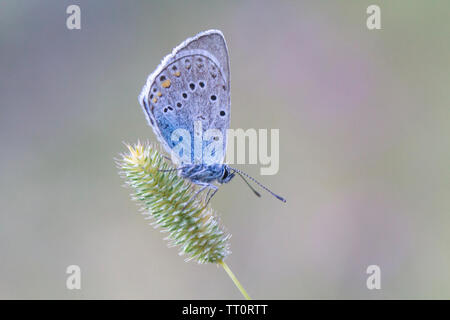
(189, 92)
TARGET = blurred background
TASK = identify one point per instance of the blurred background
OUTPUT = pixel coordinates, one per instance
(364, 125)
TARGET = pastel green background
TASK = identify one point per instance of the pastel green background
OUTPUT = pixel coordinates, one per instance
(364, 149)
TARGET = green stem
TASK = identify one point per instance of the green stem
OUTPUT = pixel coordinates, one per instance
(235, 280)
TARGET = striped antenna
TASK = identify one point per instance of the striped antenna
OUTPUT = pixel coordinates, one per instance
(242, 174)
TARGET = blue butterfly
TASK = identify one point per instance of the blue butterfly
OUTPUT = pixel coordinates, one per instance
(190, 92)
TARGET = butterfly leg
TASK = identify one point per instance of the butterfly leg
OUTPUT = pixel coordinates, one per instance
(171, 169)
(203, 187)
(207, 194)
(168, 170)
(212, 187)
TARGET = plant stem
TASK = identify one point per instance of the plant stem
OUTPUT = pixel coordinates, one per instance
(235, 280)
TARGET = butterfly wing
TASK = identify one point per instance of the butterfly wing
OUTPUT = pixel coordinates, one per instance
(191, 85)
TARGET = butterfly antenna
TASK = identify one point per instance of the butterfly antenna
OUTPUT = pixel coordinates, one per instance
(242, 174)
(249, 185)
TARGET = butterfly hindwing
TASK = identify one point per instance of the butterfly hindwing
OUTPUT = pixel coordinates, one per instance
(191, 87)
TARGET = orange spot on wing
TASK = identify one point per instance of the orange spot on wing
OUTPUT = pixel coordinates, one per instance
(165, 83)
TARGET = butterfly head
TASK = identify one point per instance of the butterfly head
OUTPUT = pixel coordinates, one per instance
(227, 175)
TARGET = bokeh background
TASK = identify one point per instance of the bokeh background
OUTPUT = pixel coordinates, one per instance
(364, 139)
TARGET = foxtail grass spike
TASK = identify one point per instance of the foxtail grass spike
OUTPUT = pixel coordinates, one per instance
(165, 198)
